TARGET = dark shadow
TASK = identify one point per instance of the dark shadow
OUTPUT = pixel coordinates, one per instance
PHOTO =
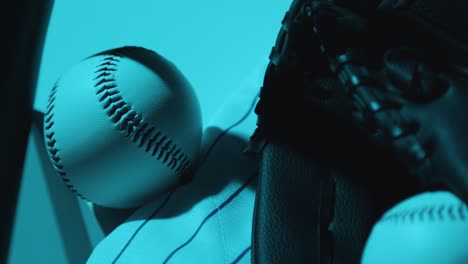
(24, 27)
(67, 210)
(222, 162)
(225, 163)
(110, 218)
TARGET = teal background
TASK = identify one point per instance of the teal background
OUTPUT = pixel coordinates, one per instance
(219, 46)
(216, 44)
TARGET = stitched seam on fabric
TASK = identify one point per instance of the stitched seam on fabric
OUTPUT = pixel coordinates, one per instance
(242, 119)
(51, 143)
(221, 230)
(442, 212)
(212, 199)
(208, 152)
(128, 121)
(218, 209)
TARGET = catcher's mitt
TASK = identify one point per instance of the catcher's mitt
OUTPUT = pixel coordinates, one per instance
(387, 81)
(361, 106)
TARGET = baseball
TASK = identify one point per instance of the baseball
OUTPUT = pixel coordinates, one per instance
(428, 228)
(122, 126)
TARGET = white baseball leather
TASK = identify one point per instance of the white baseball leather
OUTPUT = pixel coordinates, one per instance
(209, 219)
(122, 126)
(429, 228)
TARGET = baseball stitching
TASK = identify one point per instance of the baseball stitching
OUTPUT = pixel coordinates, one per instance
(124, 118)
(51, 143)
(440, 212)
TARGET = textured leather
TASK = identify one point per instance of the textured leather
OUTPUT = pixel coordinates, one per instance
(354, 165)
(286, 209)
(306, 212)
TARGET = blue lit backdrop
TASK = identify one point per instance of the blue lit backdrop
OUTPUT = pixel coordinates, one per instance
(219, 46)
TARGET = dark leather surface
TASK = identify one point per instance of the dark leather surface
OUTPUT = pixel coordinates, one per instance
(287, 195)
(318, 199)
(355, 212)
(306, 212)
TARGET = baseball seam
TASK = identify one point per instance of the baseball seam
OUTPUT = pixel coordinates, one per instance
(124, 118)
(439, 212)
(51, 143)
(127, 120)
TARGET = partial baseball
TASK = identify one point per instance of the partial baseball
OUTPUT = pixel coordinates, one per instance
(430, 228)
(122, 126)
